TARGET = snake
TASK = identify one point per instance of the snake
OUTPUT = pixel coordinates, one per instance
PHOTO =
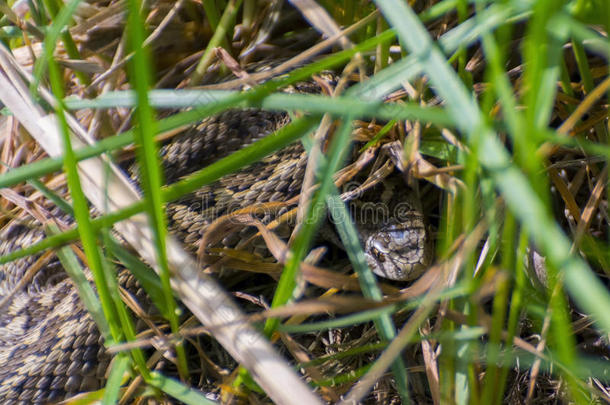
(50, 347)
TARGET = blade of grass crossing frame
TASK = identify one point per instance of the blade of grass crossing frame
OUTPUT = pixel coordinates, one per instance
(224, 26)
(178, 390)
(390, 78)
(311, 103)
(315, 212)
(61, 17)
(383, 323)
(57, 29)
(110, 305)
(515, 124)
(85, 292)
(118, 368)
(81, 210)
(150, 168)
(146, 276)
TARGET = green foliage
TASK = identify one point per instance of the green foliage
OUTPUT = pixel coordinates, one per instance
(498, 126)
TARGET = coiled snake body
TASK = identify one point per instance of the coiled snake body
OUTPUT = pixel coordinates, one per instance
(50, 347)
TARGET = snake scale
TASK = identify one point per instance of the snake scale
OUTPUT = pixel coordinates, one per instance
(50, 348)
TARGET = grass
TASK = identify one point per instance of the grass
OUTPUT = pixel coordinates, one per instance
(501, 109)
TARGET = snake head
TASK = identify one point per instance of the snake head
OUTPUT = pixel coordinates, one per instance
(399, 251)
(390, 221)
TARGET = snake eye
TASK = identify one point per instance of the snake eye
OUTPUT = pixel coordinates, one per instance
(378, 255)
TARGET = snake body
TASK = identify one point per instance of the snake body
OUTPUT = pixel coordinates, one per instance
(50, 347)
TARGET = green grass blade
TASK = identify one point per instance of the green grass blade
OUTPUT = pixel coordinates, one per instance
(405, 69)
(224, 26)
(81, 211)
(315, 212)
(315, 104)
(349, 236)
(146, 276)
(85, 292)
(150, 168)
(119, 367)
(59, 24)
(242, 158)
(178, 390)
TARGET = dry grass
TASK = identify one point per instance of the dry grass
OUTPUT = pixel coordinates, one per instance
(482, 326)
